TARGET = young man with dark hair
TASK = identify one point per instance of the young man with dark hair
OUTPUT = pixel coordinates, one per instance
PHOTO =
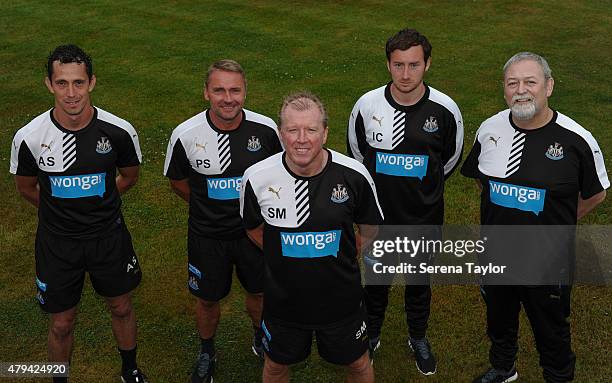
(539, 152)
(407, 120)
(65, 163)
(406, 39)
(206, 158)
(66, 54)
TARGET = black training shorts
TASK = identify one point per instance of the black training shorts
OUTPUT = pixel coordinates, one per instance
(211, 264)
(61, 263)
(341, 343)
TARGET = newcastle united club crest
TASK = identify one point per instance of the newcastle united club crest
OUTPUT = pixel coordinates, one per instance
(253, 145)
(431, 125)
(555, 152)
(103, 146)
(339, 194)
(193, 283)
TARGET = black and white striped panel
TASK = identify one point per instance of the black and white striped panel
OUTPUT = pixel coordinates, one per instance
(68, 150)
(518, 142)
(399, 121)
(302, 206)
(223, 144)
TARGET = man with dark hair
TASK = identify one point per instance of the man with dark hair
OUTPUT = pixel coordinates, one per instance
(400, 122)
(406, 39)
(65, 163)
(206, 158)
(67, 54)
(539, 152)
(299, 206)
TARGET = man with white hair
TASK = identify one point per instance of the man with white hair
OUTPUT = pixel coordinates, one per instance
(533, 149)
(300, 206)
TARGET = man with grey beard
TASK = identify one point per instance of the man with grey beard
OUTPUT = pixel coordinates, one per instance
(540, 152)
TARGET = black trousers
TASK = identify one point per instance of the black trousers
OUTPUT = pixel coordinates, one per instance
(417, 300)
(548, 309)
(417, 291)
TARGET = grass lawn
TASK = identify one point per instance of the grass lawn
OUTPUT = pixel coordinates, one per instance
(150, 58)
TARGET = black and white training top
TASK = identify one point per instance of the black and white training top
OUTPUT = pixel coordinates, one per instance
(408, 150)
(76, 171)
(214, 161)
(312, 277)
(534, 177)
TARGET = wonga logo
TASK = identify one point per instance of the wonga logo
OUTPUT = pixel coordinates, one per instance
(402, 165)
(224, 188)
(311, 244)
(517, 197)
(85, 185)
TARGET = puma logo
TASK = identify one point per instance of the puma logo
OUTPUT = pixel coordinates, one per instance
(379, 120)
(46, 147)
(200, 146)
(277, 192)
(491, 138)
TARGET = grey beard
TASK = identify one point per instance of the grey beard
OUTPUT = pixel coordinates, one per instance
(523, 111)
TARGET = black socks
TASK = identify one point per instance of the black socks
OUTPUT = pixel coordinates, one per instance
(207, 346)
(128, 361)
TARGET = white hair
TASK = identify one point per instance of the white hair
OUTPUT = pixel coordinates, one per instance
(533, 57)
